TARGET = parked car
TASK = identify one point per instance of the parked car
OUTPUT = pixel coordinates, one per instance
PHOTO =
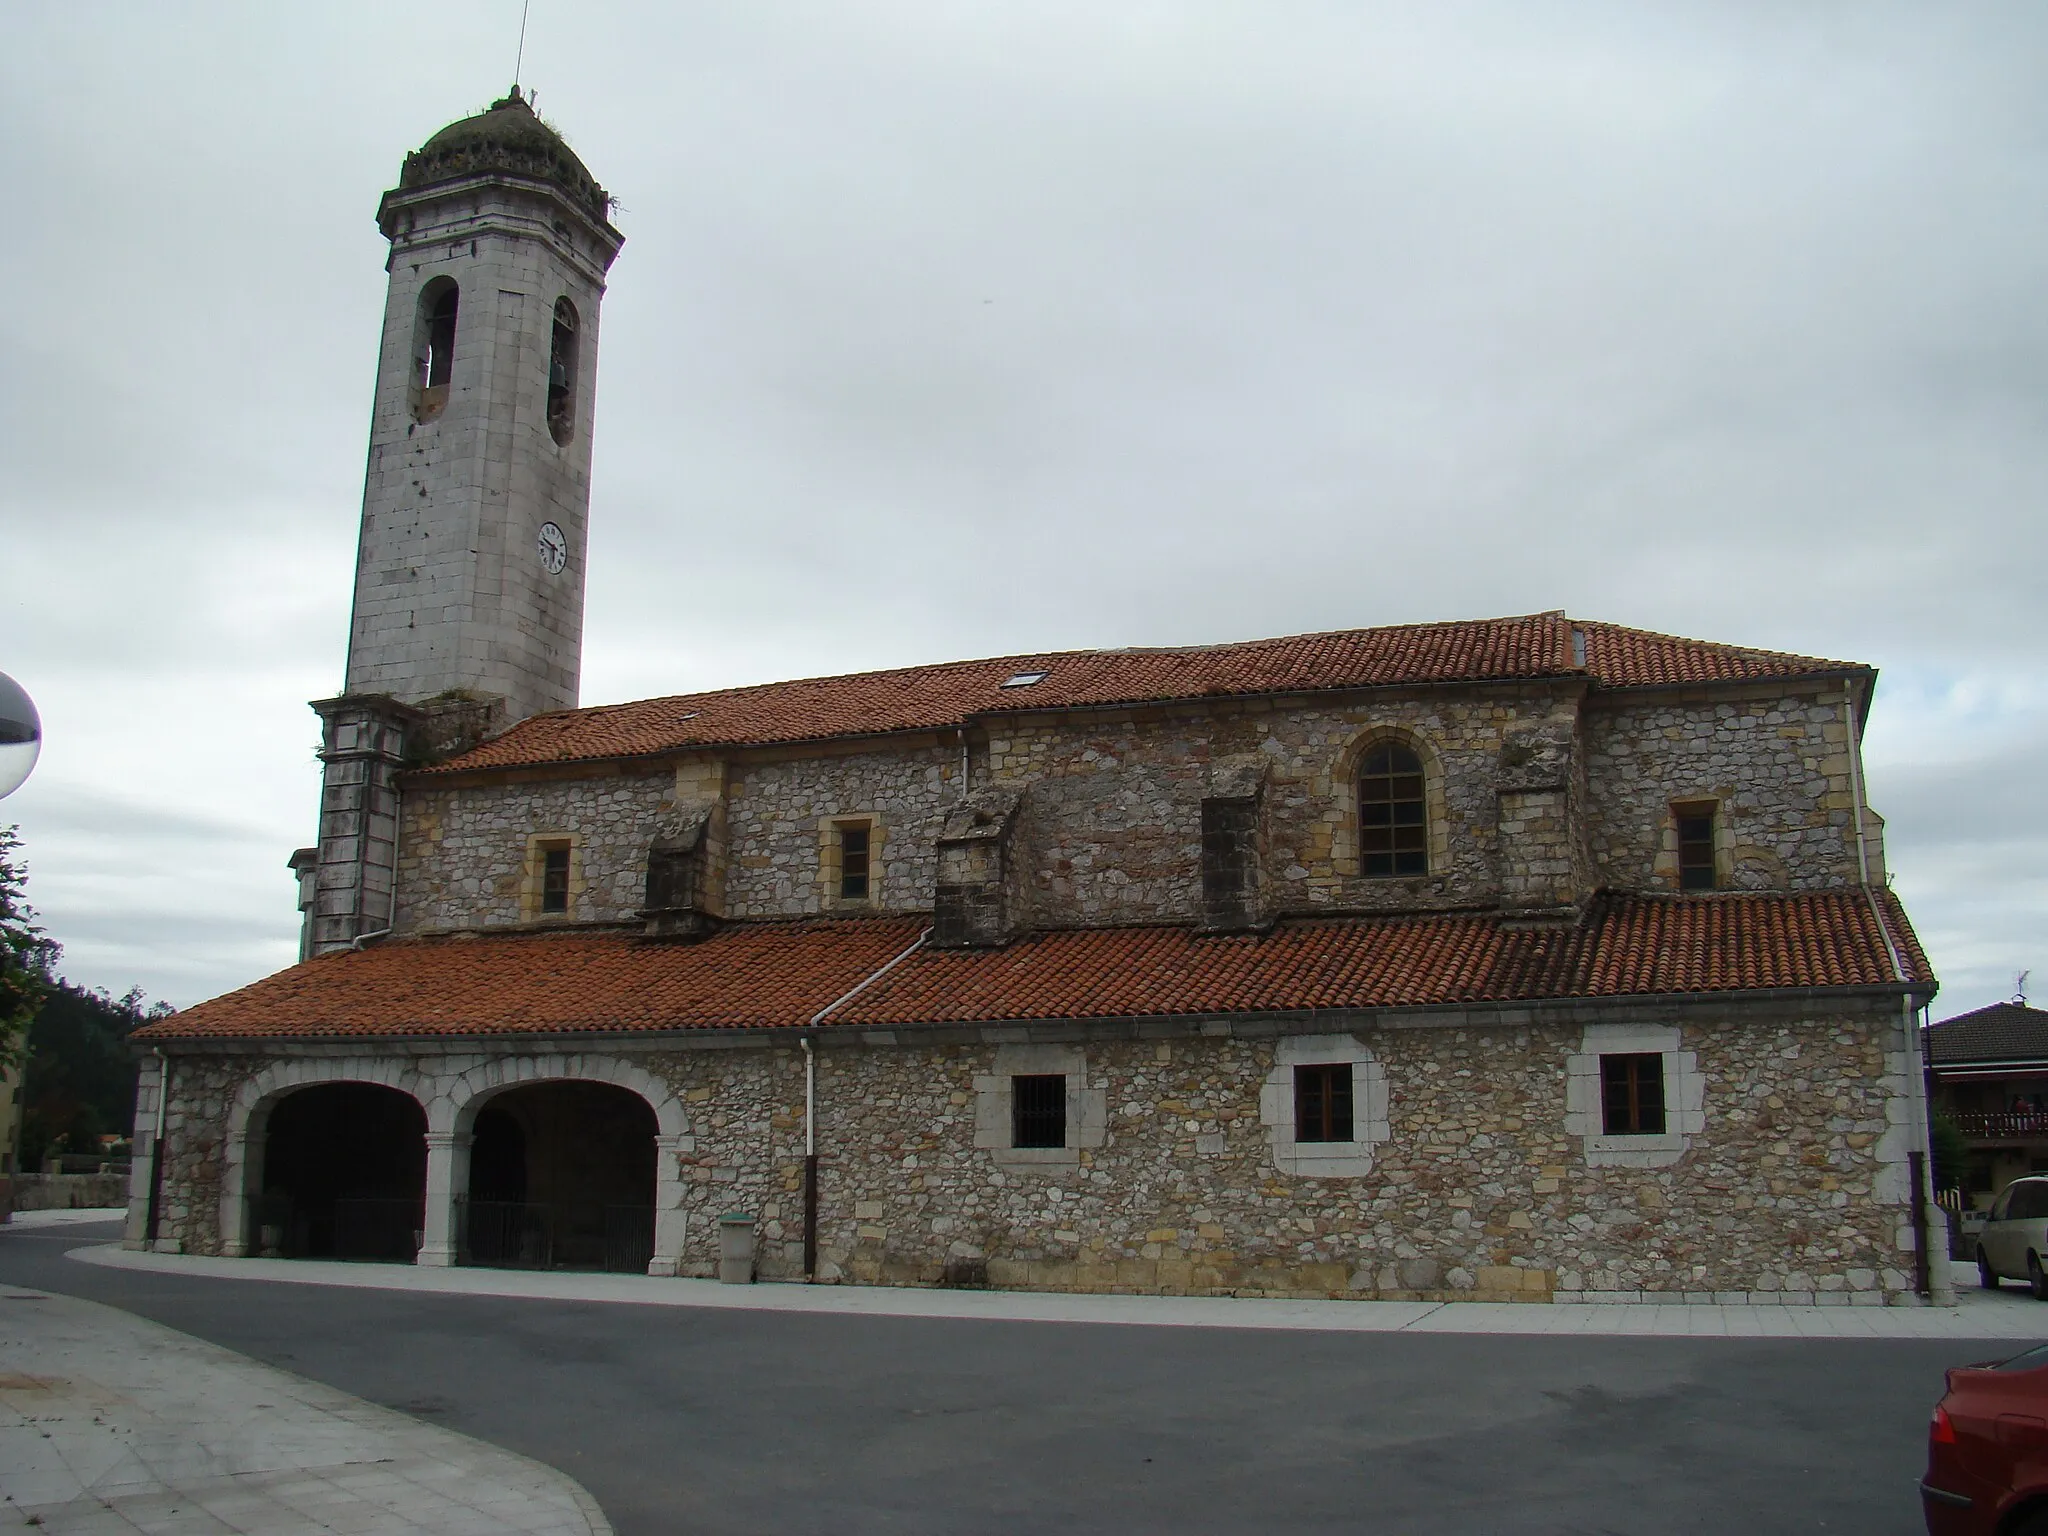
(1987, 1450)
(2014, 1242)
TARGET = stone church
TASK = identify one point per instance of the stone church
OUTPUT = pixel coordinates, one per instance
(1522, 958)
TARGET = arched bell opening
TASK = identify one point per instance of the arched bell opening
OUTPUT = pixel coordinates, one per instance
(344, 1175)
(562, 1176)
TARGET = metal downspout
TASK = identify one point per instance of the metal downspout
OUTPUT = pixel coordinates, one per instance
(156, 1149)
(810, 1163)
(1930, 1261)
(811, 1101)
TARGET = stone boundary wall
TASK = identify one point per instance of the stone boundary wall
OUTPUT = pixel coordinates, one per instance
(69, 1191)
(1473, 1187)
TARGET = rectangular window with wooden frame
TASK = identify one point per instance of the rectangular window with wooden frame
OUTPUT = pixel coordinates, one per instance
(855, 843)
(1632, 1094)
(1322, 1102)
(554, 880)
(1696, 845)
(1038, 1110)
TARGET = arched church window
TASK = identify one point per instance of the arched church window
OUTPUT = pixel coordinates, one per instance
(562, 373)
(433, 361)
(1393, 812)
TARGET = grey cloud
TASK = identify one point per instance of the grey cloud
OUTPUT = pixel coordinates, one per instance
(958, 330)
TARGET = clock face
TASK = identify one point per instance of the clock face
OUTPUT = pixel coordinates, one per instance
(554, 549)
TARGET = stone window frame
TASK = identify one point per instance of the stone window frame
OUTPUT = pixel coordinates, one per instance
(1684, 1096)
(1345, 856)
(829, 829)
(994, 1105)
(533, 876)
(1666, 870)
(1324, 1159)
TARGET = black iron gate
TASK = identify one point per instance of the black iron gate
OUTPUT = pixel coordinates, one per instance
(505, 1234)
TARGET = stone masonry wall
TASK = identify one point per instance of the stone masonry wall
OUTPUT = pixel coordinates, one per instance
(1477, 1190)
(1776, 766)
(463, 850)
(1109, 830)
(1112, 820)
(777, 811)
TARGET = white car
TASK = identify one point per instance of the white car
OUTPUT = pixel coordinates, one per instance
(2015, 1237)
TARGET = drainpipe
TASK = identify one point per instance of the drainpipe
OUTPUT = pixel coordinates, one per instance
(1930, 1264)
(156, 1148)
(811, 1102)
(810, 1163)
(363, 938)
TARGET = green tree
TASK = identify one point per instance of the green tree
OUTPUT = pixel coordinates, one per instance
(1951, 1149)
(25, 954)
(81, 1073)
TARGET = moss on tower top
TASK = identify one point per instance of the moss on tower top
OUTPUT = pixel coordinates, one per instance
(509, 139)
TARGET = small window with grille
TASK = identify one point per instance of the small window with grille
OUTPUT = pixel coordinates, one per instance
(1695, 846)
(554, 879)
(1322, 1102)
(1393, 814)
(854, 844)
(1038, 1110)
(1632, 1094)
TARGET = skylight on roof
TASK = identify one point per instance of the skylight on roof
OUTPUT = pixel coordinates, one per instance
(1024, 679)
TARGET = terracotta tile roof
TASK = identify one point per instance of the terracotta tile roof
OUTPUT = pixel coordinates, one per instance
(948, 695)
(777, 975)
(1620, 657)
(2002, 1032)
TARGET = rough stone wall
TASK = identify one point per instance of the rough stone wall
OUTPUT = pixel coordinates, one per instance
(1477, 1191)
(1113, 821)
(1543, 863)
(777, 810)
(1777, 766)
(463, 849)
(69, 1191)
(1110, 825)
(195, 1139)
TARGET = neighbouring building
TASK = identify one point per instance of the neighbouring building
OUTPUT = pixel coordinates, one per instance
(1510, 958)
(1988, 1072)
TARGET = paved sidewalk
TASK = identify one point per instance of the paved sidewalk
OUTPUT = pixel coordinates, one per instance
(109, 1424)
(67, 1218)
(2007, 1314)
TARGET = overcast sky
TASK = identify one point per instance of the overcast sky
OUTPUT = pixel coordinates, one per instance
(951, 330)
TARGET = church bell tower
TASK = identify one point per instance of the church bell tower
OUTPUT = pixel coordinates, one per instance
(468, 612)
(469, 576)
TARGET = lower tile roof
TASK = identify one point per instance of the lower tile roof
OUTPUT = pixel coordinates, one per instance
(761, 976)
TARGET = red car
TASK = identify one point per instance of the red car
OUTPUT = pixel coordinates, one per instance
(1987, 1450)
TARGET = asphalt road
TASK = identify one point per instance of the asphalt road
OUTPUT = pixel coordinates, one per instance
(695, 1421)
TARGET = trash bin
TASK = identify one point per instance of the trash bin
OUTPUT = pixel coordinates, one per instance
(736, 1249)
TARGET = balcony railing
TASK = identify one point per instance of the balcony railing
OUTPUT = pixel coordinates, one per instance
(2002, 1124)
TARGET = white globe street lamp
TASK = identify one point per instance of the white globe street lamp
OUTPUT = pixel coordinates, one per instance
(21, 735)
